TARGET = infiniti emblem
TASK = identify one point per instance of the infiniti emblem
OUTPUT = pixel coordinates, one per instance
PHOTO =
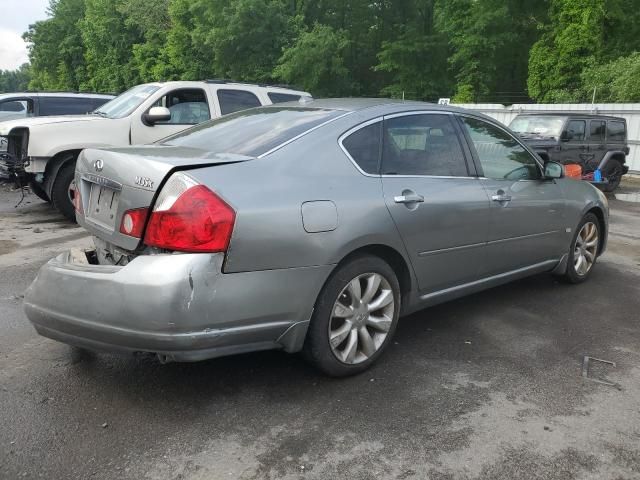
(98, 165)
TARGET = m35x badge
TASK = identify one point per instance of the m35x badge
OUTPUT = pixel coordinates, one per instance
(144, 182)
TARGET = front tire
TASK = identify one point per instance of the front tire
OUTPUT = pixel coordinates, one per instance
(583, 251)
(61, 194)
(38, 191)
(355, 317)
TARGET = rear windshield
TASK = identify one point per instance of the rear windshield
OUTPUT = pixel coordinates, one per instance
(252, 132)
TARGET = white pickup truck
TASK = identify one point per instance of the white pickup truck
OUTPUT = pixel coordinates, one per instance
(42, 151)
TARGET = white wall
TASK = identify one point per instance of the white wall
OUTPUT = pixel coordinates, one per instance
(629, 111)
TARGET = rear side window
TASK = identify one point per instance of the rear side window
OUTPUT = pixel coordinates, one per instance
(252, 132)
(236, 100)
(65, 106)
(422, 145)
(282, 97)
(364, 147)
(576, 129)
(597, 130)
(616, 132)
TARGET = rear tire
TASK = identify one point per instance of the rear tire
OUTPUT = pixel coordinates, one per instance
(354, 318)
(583, 251)
(613, 172)
(38, 191)
(61, 192)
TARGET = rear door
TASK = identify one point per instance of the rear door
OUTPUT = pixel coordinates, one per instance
(438, 205)
(526, 222)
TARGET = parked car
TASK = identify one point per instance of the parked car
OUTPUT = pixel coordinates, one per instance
(591, 141)
(308, 228)
(43, 151)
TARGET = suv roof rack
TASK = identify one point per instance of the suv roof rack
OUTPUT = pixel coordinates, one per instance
(276, 85)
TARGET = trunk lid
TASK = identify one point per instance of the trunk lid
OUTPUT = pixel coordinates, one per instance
(110, 182)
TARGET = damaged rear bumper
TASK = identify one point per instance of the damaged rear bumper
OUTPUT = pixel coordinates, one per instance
(181, 307)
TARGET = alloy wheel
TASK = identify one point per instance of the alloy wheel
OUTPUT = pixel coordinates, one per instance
(586, 247)
(361, 318)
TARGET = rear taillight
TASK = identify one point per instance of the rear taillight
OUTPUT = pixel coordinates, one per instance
(189, 217)
(132, 223)
(77, 198)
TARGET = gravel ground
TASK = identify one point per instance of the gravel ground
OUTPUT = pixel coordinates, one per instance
(485, 387)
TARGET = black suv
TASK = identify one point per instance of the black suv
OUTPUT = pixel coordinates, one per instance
(592, 141)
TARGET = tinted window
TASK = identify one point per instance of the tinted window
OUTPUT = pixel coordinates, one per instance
(253, 132)
(15, 109)
(597, 130)
(65, 106)
(422, 145)
(364, 147)
(282, 97)
(187, 106)
(616, 132)
(500, 155)
(236, 100)
(576, 129)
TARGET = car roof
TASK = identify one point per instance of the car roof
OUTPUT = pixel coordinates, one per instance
(5, 96)
(569, 114)
(230, 84)
(358, 104)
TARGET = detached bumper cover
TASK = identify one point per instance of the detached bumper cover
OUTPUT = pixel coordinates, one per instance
(180, 306)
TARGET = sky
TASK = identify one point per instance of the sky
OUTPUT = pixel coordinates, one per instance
(16, 17)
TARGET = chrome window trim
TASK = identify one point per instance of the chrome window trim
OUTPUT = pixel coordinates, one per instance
(358, 127)
(300, 135)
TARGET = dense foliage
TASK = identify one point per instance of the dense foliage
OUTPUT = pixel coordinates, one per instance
(473, 50)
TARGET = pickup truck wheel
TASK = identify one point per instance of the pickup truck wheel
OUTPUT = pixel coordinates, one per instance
(354, 318)
(39, 192)
(613, 172)
(63, 189)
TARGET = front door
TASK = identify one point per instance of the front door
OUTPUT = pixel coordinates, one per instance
(575, 148)
(441, 211)
(597, 145)
(526, 225)
(188, 107)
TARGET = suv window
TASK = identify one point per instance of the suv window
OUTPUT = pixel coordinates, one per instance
(576, 130)
(597, 130)
(422, 145)
(236, 100)
(615, 131)
(500, 155)
(16, 108)
(64, 106)
(282, 97)
(188, 106)
(364, 147)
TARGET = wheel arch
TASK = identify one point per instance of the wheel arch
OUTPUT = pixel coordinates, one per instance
(55, 164)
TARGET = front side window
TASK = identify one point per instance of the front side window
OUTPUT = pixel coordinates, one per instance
(16, 109)
(575, 130)
(236, 100)
(597, 130)
(425, 144)
(501, 156)
(616, 132)
(187, 106)
(364, 147)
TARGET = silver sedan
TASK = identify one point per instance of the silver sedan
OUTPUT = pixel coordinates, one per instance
(308, 228)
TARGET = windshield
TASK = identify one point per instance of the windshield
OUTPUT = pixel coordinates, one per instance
(538, 125)
(124, 104)
(252, 132)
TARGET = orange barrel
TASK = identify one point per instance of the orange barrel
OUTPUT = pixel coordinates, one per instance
(573, 170)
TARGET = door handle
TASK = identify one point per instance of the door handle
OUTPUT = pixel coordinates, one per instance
(500, 196)
(409, 198)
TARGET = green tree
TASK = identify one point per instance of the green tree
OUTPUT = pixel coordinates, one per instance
(615, 81)
(316, 62)
(15, 80)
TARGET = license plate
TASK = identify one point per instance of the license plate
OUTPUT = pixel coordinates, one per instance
(103, 206)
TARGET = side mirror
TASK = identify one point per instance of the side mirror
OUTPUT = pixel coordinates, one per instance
(155, 115)
(553, 170)
(566, 136)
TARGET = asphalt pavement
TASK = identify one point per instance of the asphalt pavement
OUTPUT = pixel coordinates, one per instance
(486, 387)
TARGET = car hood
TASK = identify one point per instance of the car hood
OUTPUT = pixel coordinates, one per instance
(7, 126)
